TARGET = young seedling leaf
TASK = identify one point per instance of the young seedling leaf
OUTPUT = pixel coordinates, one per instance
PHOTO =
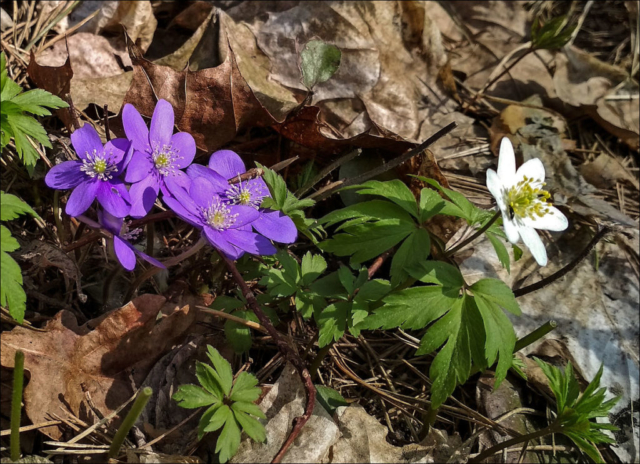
(318, 62)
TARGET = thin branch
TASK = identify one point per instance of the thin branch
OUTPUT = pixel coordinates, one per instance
(287, 352)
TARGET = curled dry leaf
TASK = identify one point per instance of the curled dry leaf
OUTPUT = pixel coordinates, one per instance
(104, 357)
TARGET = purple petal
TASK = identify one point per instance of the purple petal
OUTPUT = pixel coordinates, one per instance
(162, 124)
(185, 199)
(185, 145)
(246, 215)
(258, 187)
(218, 241)
(203, 192)
(143, 195)
(139, 167)
(276, 226)
(121, 145)
(250, 242)
(90, 222)
(65, 175)
(82, 197)
(135, 128)
(85, 140)
(227, 163)
(110, 222)
(113, 152)
(124, 253)
(178, 180)
(149, 259)
(111, 197)
(182, 212)
(197, 170)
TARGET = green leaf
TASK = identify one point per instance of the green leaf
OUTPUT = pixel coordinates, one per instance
(346, 279)
(206, 418)
(414, 250)
(329, 286)
(330, 399)
(229, 440)
(222, 369)
(244, 388)
(11, 207)
(221, 416)
(28, 154)
(312, 267)
(517, 252)
(373, 290)
(239, 335)
(430, 204)
(249, 408)
(553, 34)
(437, 272)
(366, 241)
(318, 62)
(251, 426)
(35, 101)
(498, 292)
(282, 282)
(393, 190)
(333, 322)
(366, 211)
(209, 379)
(12, 294)
(30, 127)
(192, 396)
(277, 186)
(412, 308)
(461, 332)
(226, 303)
(501, 251)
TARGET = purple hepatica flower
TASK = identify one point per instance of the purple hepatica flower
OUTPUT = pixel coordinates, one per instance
(125, 252)
(223, 224)
(96, 174)
(226, 165)
(158, 158)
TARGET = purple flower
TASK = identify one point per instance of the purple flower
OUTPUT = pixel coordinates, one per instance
(158, 158)
(223, 224)
(96, 174)
(225, 165)
(125, 252)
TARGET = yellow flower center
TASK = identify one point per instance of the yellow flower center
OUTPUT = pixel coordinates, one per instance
(244, 198)
(162, 160)
(100, 166)
(218, 219)
(528, 199)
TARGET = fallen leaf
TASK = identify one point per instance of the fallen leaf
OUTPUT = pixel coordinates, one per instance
(103, 357)
(605, 171)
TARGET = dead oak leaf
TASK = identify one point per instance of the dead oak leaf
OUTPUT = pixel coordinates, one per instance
(102, 357)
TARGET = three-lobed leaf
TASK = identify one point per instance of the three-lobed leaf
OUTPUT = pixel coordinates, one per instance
(318, 62)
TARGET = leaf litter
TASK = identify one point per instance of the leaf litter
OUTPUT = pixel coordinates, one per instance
(398, 82)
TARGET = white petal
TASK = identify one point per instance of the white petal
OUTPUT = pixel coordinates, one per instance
(511, 229)
(532, 168)
(553, 220)
(494, 184)
(533, 241)
(506, 160)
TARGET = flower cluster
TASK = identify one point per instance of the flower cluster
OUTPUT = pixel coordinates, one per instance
(127, 176)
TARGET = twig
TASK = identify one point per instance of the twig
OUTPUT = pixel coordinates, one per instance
(565, 270)
(287, 352)
(377, 264)
(333, 187)
(478, 233)
(231, 317)
(326, 171)
(250, 174)
(106, 122)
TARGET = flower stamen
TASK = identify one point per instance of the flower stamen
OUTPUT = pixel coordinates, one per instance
(164, 158)
(218, 215)
(528, 199)
(99, 165)
(239, 194)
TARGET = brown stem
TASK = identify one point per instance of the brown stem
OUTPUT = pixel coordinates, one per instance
(250, 174)
(514, 441)
(72, 112)
(565, 270)
(106, 123)
(377, 264)
(287, 352)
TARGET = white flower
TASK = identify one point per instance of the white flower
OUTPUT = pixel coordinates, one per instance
(523, 202)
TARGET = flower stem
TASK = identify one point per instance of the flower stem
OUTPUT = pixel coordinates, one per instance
(535, 335)
(478, 233)
(565, 270)
(16, 405)
(135, 411)
(288, 352)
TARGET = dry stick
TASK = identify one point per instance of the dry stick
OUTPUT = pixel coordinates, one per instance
(231, 317)
(106, 122)
(565, 270)
(287, 352)
(333, 187)
(326, 171)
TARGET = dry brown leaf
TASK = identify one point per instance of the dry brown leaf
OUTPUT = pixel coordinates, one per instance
(583, 81)
(605, 171)
(105, 357)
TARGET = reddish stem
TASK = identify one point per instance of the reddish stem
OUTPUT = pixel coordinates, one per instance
(286, 350)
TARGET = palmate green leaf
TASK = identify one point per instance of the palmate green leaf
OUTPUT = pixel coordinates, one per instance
(366, 241)
(439, 273)
(333, 322)
(564, 385)
(206, 419)
(330, 399)
(282, 282)
(311, 268)
(35, 101)
(373, 290)
(11, 207)
(393, 190)
(414, 250)
(368, 211)
(329, 286)
(244, 388)
(229, 439)
(226, 303)
(251, 426)
(430, 204)
(28, 154)
(192, 396)
(238, 335)
(460, 206)
(498, 292)
(318, 62)
(209, 379)
(461, 332)
(501, 251)
(12, 294)
(222, 369)
(249, 408)
(220, 416)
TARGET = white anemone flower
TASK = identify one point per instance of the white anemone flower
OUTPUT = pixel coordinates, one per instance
(523, 202)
